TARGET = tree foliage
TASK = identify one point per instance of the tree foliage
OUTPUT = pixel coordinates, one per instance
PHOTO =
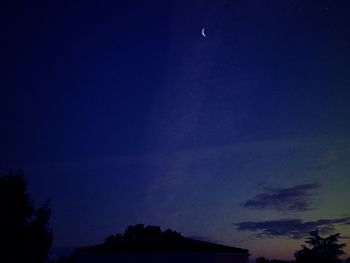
(25, 235)
(151, 239)
(142, 238)
(320, 250)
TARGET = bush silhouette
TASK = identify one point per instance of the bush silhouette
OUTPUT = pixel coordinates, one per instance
(24, 232)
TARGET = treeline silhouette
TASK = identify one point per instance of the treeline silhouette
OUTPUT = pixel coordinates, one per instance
(25, 235)
(140, 238)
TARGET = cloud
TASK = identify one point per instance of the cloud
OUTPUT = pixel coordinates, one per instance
(292, 228)
(284, 199)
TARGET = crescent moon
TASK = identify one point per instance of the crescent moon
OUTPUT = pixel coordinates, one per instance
(203, 32)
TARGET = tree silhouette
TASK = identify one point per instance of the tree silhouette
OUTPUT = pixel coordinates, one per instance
(139, 233)
(320, 250)
(24, 232)
(151, 239)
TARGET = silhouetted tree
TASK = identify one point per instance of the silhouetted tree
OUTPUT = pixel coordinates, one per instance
(140, 233)
(24, 232)
(320, 250)
(114, 240)
(140, 238)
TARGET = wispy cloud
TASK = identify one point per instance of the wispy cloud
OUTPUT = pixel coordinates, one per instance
(292, 228)
(295, 199)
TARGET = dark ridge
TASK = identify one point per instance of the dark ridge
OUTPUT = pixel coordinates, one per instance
(150, 239)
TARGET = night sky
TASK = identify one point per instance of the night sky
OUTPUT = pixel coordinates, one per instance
(121, 112)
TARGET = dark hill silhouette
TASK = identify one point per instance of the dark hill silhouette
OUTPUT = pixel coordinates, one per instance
(150, 239)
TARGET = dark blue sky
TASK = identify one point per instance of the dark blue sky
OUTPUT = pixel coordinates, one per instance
(122, 112)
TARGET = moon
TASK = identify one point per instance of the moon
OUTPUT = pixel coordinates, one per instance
(203, 32)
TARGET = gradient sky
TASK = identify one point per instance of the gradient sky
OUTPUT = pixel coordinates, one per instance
(121, 112)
